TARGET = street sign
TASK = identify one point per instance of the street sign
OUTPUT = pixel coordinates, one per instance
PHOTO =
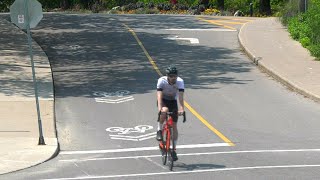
(22, 11)
(26, 14)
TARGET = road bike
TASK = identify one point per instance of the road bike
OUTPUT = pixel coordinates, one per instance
(167, 138)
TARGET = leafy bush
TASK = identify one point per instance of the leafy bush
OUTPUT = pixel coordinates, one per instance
(150, 5)
(181, 7)
(139, 5)
(304, 27)
(164, 6)
(211, 11)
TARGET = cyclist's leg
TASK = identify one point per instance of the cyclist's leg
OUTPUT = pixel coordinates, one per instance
(161, 121)
(173, 107)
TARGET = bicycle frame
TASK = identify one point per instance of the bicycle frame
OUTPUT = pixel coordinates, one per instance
(167, 134)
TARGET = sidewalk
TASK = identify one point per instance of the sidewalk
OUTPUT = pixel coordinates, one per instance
(271, 48)
(266, 42)
(19, 132)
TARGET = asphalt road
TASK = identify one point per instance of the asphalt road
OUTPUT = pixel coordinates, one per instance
(241, 123)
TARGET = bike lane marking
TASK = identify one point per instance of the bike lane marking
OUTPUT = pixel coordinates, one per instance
(154, 65)
(188, 146)
(194, 171)
(197, 154)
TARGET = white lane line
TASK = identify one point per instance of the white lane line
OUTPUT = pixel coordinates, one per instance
(159, 165)
(112, 158)
(143, 149)
(191, 172)
(217, 29)
(195, 154)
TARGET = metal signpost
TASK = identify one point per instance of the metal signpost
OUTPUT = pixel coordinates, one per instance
(27, 14)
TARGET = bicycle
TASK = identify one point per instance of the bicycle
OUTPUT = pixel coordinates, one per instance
(167, 138)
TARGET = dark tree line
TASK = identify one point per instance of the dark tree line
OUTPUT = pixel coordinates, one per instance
(264, 8)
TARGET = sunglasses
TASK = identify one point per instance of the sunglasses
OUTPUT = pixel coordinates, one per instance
(172, 76)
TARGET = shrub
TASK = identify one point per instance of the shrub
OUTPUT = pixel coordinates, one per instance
(181, 7)
(139, 5)
(304, 27)
(150, 5)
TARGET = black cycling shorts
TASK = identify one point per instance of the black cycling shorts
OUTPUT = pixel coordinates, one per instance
(172, 105)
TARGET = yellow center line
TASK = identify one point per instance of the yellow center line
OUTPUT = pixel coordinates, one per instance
(155, 67)
(229, 22)
(194, 112)
(213, 22)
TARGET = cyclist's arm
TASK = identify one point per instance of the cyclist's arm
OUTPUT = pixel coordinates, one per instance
(181, 100)
(181, 94)
(159, 99)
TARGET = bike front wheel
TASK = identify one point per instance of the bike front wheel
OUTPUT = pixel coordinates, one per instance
(170, 151)
(164, 155)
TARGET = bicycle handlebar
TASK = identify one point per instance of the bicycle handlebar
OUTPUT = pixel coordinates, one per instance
(170, 113)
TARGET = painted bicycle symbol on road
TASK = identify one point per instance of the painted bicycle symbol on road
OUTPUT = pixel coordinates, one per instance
(122, 133)
(112, 97)
(138, 129)
(119, 93)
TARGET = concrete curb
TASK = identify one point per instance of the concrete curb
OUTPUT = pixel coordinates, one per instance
(264, 67)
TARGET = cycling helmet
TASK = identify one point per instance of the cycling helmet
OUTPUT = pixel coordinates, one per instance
(172, 70)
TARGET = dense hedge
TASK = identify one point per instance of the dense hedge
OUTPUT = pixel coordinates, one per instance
(304, 26)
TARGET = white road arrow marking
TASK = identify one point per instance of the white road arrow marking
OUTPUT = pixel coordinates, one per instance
(113, 101)
(192, 40)
(134, 138)
(153, 133)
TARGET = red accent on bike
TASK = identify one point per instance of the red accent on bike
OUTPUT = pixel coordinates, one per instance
(170, 121)
(161, 145)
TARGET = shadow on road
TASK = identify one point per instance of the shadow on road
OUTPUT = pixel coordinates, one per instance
(191, 167)
(97, 53)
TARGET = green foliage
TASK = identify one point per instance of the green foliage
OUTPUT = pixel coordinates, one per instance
(230, 5)
(5, 5)
(304, 27)
(289, 10)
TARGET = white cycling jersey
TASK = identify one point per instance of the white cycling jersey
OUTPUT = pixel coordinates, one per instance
(170, 91)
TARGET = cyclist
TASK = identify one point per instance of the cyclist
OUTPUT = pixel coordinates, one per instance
(169, 89)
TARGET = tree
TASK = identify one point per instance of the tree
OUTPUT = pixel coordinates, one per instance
(65, 4)
(265, 7)
(220, 5)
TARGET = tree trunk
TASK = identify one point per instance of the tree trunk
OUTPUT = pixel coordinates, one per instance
(303, 5)
(220, 5)
(265, 7)
(204, 2)
(65, 4)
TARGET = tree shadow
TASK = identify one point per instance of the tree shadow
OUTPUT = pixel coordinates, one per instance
(15, 65)
(97, 53)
